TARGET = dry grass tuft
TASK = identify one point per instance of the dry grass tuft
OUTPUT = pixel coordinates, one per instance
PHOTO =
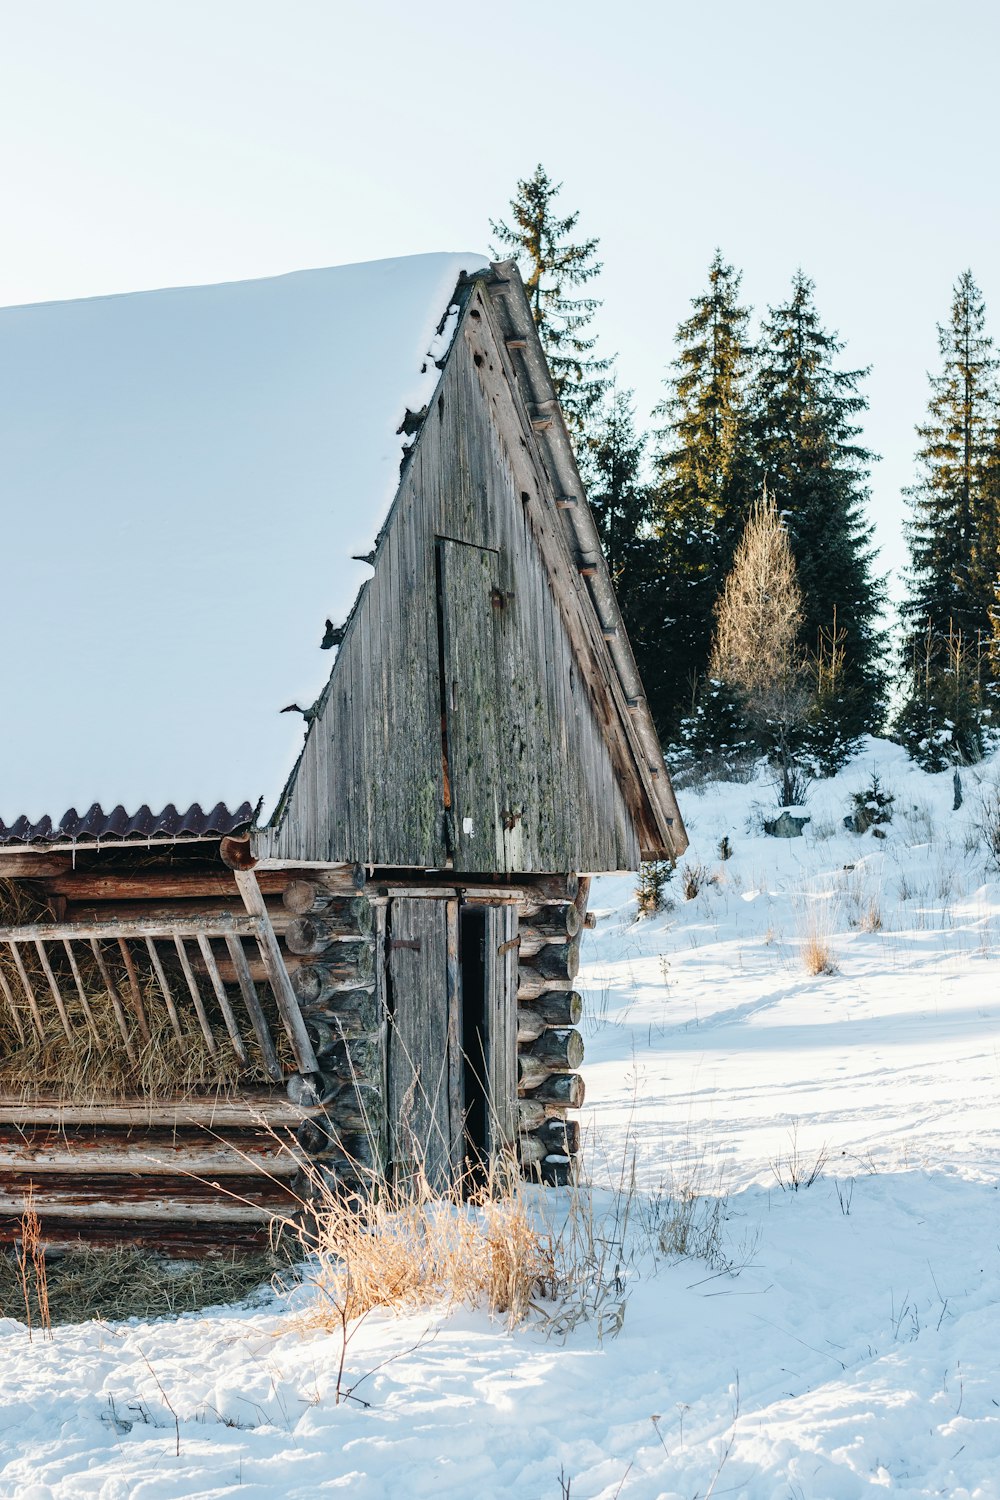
(815, 945)
(406, 1247)
(869, 917)
(817, 955)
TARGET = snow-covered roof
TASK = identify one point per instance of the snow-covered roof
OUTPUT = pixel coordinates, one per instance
(184, 476)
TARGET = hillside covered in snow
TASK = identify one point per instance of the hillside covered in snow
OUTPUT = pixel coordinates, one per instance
(794, 1227)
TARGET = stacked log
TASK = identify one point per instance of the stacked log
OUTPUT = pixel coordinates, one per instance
(331, 941)
(549, 1047)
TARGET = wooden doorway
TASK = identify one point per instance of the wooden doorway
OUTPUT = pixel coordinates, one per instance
(451, 1042)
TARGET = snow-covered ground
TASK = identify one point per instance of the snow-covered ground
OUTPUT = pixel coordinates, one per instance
(839, 1339)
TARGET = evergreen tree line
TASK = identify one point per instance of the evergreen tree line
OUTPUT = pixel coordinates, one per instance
(763, 430)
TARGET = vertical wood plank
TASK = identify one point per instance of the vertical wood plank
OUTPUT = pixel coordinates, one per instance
(455, 1099)
(501, 1024)
(420, 1125)
(470, 579)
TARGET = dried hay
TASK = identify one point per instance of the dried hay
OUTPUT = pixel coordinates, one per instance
(130, 1283)
(99, 1062)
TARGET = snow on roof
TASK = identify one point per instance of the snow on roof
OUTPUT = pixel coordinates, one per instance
(184, 475)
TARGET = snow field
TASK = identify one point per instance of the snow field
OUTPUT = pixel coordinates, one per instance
(839, 1340)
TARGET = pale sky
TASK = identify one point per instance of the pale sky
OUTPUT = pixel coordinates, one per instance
(144, 145)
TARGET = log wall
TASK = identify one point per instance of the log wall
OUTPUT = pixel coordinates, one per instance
(204, 1170)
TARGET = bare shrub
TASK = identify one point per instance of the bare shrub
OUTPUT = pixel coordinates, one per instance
(798, 1168)
(691, 1226)
(694, 878)
(756, 645)
(988, 821)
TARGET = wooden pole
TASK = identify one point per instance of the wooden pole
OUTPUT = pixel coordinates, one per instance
(43, 959)
(168, 997)
(250, 1000)
(195, 993)
(116, 1004)
(12, 1005)
(136, 992)
(29, 992)
(220, 994)
(84, 1000)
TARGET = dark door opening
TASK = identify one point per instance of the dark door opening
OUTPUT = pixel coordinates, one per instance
(475, 1039)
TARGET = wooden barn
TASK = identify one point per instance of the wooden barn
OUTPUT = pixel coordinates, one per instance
(354, 489)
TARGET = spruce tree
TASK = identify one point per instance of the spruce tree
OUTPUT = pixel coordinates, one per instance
(553, 266)
(806, 452)
(952, 533)
(702, 493)
(622, 504)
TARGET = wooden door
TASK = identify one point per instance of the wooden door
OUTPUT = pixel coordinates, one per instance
(451, 1043)
(424, 1124)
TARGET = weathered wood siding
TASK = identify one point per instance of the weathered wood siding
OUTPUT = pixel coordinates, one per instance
(459, 578)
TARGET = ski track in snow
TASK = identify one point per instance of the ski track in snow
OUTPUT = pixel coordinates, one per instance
(854, 1351)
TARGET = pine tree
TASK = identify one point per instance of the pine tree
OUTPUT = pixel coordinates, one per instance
(952, 534)
(702, 484)
(806, 452)
(552, 266)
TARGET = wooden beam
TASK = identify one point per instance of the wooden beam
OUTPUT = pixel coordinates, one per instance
(220, 926)
(221, 1210)
(288, 1005)
(12, 1006)
(272, 1158)
(156, 885)
(255, 1107)
(29, 992)
(20, 865)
